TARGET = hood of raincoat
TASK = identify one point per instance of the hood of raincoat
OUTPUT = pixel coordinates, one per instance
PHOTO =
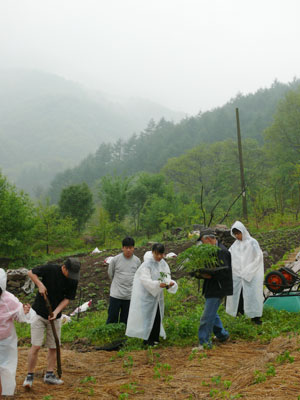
(148, 256)
(241, 227)
(3, 279)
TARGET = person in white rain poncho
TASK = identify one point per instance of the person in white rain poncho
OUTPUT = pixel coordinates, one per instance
(10, 309)
(146, 310)
(248, 274)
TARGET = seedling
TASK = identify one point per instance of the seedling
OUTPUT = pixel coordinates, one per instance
(271, 370)
(285, 357)
(127, 364)
(163, 277)
(259, 377)
(87, 379)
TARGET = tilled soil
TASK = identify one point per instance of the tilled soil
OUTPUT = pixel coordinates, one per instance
(171, 373)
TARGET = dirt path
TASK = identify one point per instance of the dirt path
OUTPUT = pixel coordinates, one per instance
(179, 373)
(292, 256)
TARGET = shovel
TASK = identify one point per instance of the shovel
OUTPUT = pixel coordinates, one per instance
(58, 359)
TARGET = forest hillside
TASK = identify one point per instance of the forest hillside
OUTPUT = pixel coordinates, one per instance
(150, 150)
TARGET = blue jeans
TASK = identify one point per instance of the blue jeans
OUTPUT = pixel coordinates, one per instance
(210, 322)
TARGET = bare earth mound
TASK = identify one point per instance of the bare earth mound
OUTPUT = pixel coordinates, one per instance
(171, 373)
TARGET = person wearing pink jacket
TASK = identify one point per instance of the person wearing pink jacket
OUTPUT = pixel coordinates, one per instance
(11, 309)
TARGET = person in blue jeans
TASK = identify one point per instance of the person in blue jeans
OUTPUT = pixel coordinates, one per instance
(216, 286)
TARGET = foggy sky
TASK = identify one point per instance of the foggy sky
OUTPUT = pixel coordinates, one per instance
(188, 55)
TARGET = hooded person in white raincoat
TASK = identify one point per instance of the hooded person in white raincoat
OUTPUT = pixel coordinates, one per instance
(247, 273)
(10, 309)
(146, 311)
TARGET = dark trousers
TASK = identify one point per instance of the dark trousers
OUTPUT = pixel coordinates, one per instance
(117, 311)
(154, 334)
(241, 304)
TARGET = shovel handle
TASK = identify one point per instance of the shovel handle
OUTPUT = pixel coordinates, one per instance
(58, 358)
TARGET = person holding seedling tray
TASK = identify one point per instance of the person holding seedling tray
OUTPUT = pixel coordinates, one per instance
(212, 262)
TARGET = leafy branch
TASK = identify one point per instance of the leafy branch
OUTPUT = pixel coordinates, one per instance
(199, 257)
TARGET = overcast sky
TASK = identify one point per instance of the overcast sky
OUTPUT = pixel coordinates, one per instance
(188, 55)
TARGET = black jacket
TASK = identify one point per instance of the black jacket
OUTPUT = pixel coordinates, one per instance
(220, 283)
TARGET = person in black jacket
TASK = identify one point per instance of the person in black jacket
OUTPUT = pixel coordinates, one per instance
(216, 285)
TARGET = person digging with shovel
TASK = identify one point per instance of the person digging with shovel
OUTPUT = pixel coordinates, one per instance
(57, 286)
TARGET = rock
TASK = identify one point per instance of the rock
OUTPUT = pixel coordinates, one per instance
(18, 278)
(222, 227)
(198, 227)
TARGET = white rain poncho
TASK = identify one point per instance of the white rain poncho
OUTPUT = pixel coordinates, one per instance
(147, 295)
(10, 309)
(247, 274)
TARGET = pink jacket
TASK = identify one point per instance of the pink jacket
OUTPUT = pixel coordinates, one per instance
(10, 309)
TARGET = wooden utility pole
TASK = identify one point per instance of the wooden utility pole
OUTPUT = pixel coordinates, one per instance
(243, 186)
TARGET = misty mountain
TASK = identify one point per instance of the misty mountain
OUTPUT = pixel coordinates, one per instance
(48, 124)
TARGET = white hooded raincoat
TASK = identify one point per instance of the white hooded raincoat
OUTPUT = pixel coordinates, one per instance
(10, 309)
(147, 295)
(247, 274)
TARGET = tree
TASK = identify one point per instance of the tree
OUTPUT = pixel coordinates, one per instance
(76, 201)
(113, 193)
(51, 230)
(282, 146)
(16, 221)
(142, 187)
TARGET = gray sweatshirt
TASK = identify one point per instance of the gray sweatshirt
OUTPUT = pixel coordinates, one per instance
(121, 271)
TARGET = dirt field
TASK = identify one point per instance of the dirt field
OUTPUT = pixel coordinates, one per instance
(103, 375)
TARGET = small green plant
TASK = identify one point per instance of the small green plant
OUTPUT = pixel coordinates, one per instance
(130, 386)
(271, 371)
(88, 379)
(163, 276)
(285, 357)
(201, 356)
(101, 305)
(150, 355)
(128, 364)
(124, 396)
(160, 372)
(216, 379)
(227, 384)
(259, 377)
(48, 397)
(193, 355)
(214, 392)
